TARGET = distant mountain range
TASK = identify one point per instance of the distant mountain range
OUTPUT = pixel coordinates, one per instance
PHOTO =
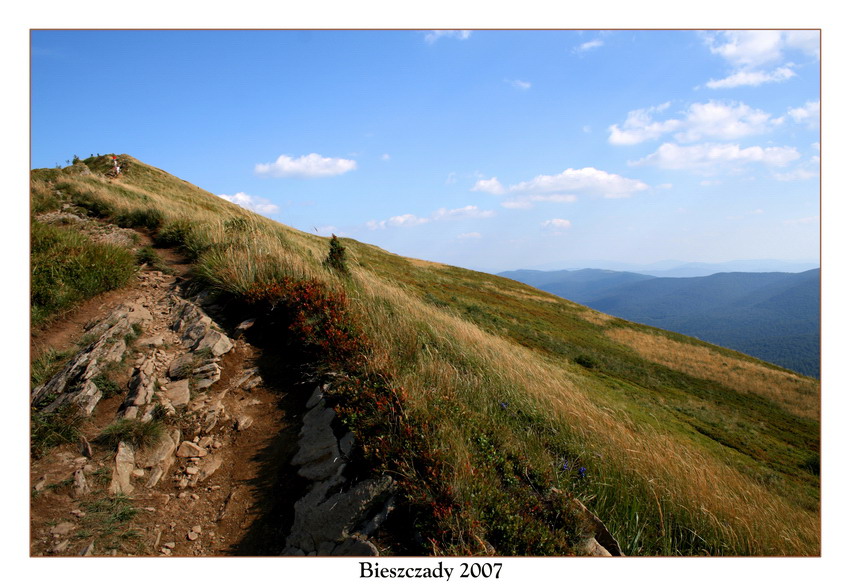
(772, 316)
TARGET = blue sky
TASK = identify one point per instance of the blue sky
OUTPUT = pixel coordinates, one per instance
(491, 150)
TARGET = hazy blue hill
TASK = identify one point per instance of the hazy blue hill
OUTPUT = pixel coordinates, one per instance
(773, 316)
(581, 283)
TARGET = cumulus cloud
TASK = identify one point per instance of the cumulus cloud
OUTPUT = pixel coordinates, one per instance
(562, 187)
(306, 166)
(408, 220)
(713, 119)
(253, 203)
(752, 53)
(808, 114)
(639, 126)
(712, 157)
(752, 78)
(489, 186)
(434, 36)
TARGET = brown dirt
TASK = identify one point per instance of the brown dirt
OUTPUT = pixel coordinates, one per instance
(244, 508)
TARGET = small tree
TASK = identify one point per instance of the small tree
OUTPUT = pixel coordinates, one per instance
(336, 256)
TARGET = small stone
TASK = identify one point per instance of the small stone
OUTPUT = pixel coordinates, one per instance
(192, 470)
(138, 473)
(165, 551)
(192, 536)
(197, 529)
(244, 422)
(150, 509)
(61, 546)
(190, 449)
(169, 545)
(78, 513)
(62, 529)
(195, 496)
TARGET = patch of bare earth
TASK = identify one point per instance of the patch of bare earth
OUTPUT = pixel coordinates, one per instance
(235, 499)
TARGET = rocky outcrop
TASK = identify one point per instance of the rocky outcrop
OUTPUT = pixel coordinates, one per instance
(75, 384)
(336, 516)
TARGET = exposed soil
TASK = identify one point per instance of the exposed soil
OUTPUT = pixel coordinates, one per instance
(243, 508)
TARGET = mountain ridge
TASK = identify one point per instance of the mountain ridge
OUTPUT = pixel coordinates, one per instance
(491, 405)
(755, 313)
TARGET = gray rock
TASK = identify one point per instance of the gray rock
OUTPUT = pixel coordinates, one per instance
(355, 546)
(216, 342)
(125, 462)
(319, 520)
(182, 366)
(315, 397)
(177, 393)
(81, 486)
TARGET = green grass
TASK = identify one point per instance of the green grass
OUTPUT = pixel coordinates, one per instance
(135, 432)
(67, 268)
(484, 398)
(54, 429)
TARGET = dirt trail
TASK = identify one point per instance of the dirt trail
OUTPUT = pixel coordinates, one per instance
(243, 507)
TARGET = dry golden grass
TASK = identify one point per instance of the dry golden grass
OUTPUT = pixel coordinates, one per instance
(460, 359)
(797, 394)
(435, 353)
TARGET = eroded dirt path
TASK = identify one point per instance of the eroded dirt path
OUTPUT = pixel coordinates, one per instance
(233, 497)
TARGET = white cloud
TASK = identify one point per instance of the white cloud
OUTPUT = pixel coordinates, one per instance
(253, 203)
(385, 157)
(808, 114)
(750, 52)
(469, 235)
(562, 187)
(752, 78)
(556, 223)
(465, 212)
(519, 84)
(408, 220)
(711, 157)
(746, 48)
(588, 180)
(589, 46)
(434, 36)
(326, 230)
(640, 127)
(712, 119)
(525, 202)
(489, 186)
(312, 165)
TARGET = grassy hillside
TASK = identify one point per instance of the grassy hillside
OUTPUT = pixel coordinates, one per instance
(492, 403)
